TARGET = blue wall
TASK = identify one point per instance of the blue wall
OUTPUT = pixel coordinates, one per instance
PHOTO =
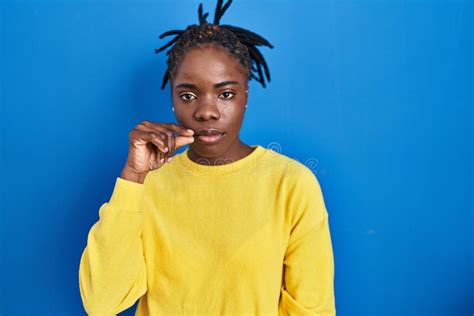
(375, 96)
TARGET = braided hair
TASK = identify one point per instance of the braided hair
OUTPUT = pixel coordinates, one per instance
(239, 42)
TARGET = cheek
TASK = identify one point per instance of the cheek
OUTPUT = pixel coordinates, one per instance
(232, 111)
(182, 114)
(184, 118)
(233, 116)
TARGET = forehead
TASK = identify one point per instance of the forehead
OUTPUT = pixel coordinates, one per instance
(209, 63)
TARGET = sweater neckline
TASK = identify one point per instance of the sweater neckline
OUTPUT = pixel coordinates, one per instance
(188, 166)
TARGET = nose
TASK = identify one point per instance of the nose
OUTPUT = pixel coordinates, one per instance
(207, 110)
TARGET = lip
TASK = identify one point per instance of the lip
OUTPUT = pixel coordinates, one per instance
(209, 135)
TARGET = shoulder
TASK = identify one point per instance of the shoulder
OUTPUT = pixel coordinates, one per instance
(301, 185)
(291, 169)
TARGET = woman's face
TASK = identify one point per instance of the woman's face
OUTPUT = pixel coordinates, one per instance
(209, 91)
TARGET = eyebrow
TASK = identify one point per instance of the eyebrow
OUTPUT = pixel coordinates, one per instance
(217, 85)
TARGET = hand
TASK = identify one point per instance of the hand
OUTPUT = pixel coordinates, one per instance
(152, 145)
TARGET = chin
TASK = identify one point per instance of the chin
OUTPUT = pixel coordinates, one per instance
(210, 150)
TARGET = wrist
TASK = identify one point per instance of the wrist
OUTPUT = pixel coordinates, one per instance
(130, 175)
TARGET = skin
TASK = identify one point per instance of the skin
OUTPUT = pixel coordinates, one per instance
(205, 106)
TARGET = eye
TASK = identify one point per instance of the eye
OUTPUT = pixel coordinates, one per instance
(187, 96)
(226, 95)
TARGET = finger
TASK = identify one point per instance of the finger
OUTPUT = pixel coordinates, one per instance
(174, 136)
(169, 141)
(164, 140)
(161, 158)
(157, 139)
(141, 137)
(159, 161)
(172, 144)
(170, 126)
(179, 128)
(183, 140)
(154, 155)
(176, 141)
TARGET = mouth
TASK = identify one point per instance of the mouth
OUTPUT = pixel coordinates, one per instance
(211, 139)
(209, 136)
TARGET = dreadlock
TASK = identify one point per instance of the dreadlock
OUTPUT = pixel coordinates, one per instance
(239, 42)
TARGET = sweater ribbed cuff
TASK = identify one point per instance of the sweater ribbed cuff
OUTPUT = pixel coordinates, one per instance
(127, 195)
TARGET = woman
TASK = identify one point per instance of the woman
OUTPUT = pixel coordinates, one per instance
(222, 228)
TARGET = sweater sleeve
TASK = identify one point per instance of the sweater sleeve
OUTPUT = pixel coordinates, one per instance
(112, 271)
(308, 278)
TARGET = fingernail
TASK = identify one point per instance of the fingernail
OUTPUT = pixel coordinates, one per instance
(166, 149)
(169, 159)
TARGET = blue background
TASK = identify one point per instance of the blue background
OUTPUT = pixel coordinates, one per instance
(374, 96)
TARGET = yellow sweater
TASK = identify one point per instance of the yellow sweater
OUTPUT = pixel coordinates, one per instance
(246, 238)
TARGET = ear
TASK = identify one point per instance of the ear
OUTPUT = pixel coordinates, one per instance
(246, 94)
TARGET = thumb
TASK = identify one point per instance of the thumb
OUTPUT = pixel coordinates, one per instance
(181, 140)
